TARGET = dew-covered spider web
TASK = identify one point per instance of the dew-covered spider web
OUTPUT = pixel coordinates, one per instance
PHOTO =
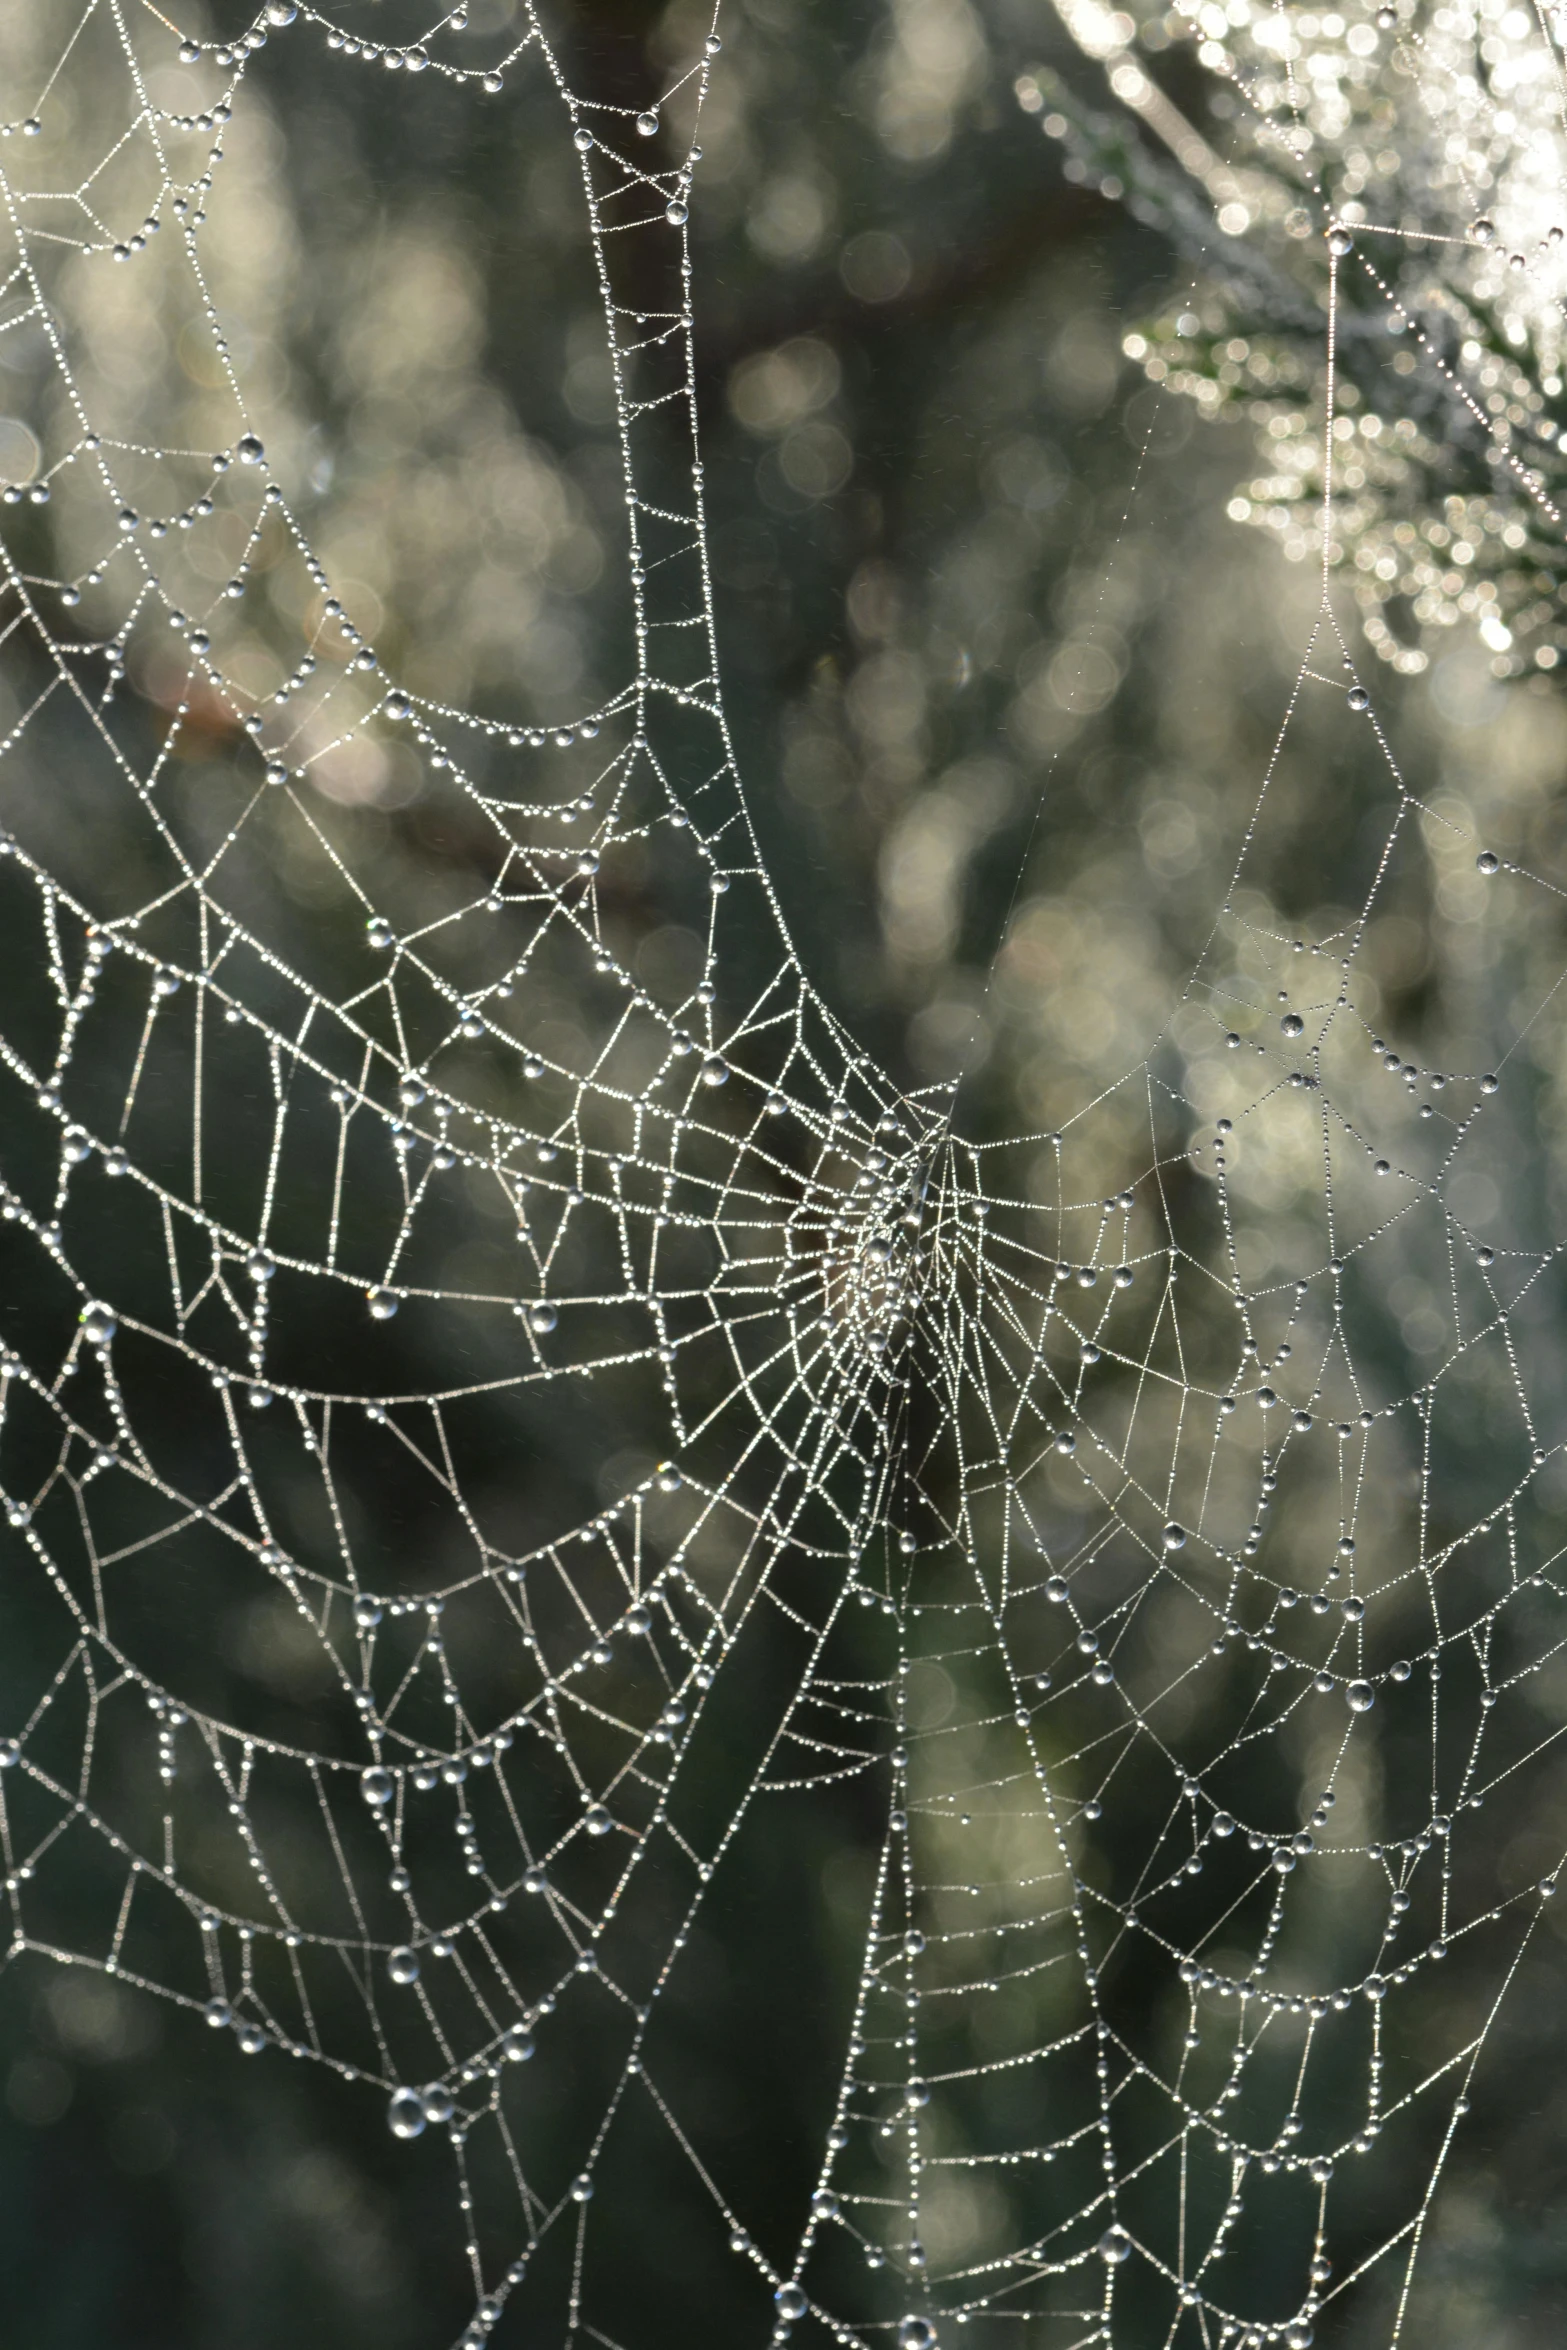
(647, 1427)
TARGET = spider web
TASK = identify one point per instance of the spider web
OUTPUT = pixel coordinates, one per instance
(977, 1476)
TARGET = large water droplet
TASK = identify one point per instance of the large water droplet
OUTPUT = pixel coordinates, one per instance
(405, 2114)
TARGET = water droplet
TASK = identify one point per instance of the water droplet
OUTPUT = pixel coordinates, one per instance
(1114, 2244)
(1360, 1696)
(405, 2114)
(98, 1324)
(669, 1477)
(379, 932)
(281, 12)
(597, 1820)
(377, 1786)
(1340, 243)
(1358, 698)
(403, 1966)
(1175, 1537)
(383, 1304)
(251, 2037)
(437, 2102)
(790, 2301)
(647, 125)
(676, 214)
(218, 2014)
(1488, 861)
(517, 2044)
(542, 1318)
(916, 2333)
(582, 140)
(248, 449)
(1484, 232)
(1292, 1024)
